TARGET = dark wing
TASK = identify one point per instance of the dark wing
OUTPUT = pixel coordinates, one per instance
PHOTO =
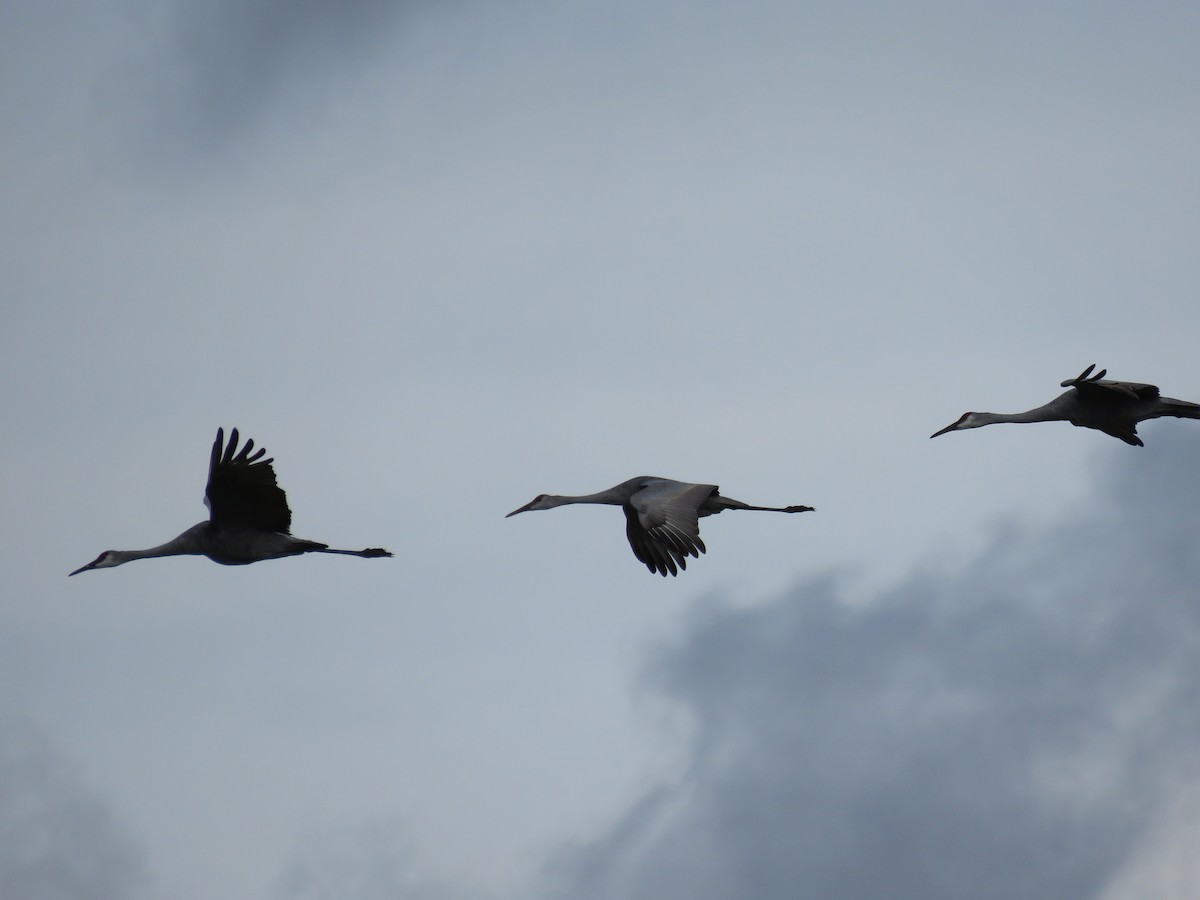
(1129, 390)
(1098, 391)
(1116, 391)
(662, 524)
(241, 488)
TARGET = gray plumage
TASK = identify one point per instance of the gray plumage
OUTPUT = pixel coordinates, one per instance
(1114, 407)
(661, 516)
(249, 519)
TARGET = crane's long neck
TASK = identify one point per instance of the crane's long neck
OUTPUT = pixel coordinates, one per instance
(1051, 412)
(186, 544)
(610, 497)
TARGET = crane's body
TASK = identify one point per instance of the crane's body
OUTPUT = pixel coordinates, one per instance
(661, 516)
(1114, 407)
(249, 519)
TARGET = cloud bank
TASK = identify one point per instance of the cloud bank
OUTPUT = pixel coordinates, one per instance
(1007, 729)
(57, 840)
(227, 63)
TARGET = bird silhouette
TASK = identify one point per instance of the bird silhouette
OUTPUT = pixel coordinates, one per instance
(249, 519)
(1114, 407)
(661, 516)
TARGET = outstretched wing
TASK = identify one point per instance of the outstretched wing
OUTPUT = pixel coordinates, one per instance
(1096, 390)
(241, 488)
(662, 524)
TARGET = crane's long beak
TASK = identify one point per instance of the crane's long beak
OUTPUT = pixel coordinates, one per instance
(524, 508)
(90, 565)
(950, 427)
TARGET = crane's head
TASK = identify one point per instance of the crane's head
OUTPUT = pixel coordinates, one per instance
(105, 560)
(966, 420)
(541, 501)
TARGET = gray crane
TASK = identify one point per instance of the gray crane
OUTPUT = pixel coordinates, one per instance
(249, 519)
(661, 516)
(1114, 407)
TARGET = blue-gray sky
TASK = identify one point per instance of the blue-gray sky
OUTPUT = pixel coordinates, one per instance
(439, 258)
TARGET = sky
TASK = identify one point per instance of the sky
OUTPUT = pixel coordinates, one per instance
(441, 258)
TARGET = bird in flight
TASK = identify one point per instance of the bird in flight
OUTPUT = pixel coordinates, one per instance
(249, 519)
(1114, 407)
(661, 516)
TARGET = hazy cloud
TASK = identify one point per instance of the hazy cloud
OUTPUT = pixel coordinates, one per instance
(368, 862)
(1005, 730)
(230, 60)
(57, 840)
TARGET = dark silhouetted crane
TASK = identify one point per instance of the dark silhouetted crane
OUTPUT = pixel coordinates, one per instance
(249, 519)
(661, 516)
(1114, 407)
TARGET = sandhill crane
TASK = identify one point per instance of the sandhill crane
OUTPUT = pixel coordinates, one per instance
(248, 516)
(1114, 407)
(660, 516)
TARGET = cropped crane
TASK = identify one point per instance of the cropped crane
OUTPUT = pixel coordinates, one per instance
(1114, 407)
(249, 519)
(661, 516)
